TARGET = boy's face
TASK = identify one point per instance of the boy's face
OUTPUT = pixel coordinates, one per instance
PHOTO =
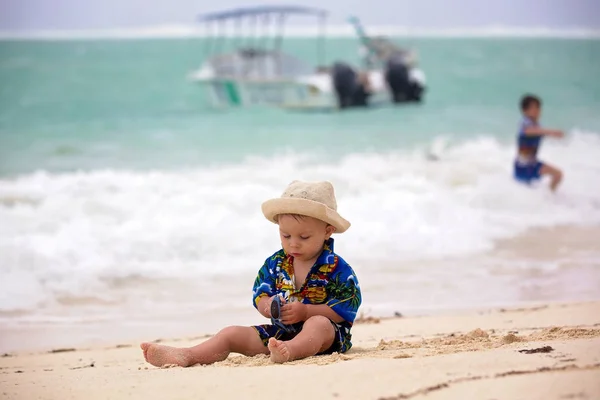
(533, 111)
(303, 237)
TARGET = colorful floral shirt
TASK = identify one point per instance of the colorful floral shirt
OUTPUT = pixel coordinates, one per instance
(330, 281)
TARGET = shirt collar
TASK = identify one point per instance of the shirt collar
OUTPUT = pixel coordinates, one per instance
(327, 254)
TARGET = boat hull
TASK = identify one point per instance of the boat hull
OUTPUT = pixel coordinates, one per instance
(286, 94)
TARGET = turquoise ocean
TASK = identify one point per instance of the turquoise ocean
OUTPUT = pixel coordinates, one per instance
(125, 199)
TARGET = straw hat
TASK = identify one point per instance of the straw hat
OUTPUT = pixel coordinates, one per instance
(312, 199)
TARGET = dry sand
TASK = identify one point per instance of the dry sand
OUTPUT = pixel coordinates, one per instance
(540, 352)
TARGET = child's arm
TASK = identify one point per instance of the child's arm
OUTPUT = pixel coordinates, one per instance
(324, 310)
(264, 306)
(264, 289)
(296, 312)
(538, 131)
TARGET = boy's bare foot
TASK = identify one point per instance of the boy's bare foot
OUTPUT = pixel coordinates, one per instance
(279, 351)
(159, 355)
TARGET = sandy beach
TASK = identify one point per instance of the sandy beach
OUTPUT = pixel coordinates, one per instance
(546, 351)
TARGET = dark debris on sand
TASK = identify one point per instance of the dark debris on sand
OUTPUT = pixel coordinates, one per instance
(90, 365)
(545, 349)
(61, 350)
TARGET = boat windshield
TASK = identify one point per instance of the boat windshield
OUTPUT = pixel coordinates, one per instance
(252, 63)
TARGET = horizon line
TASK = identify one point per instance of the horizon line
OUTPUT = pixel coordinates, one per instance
(173, 31)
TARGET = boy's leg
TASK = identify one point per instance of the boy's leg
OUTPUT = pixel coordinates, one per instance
(555, 174)
(317, 335)
(236, 339)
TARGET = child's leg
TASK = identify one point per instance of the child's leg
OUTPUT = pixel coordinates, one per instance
(555, 174)
(236, 339)
(317, 335)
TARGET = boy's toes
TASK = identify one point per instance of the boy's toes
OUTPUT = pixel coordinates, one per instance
(279, 351)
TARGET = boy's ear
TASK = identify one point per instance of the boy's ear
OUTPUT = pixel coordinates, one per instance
(329, 230)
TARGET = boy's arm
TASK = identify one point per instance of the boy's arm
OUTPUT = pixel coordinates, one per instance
(264, 290)
(264, 306)
(538, 131)
(324, 310)
(302, 311)
(296, 312)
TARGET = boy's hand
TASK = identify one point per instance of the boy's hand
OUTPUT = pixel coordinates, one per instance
(293, 312)
(558, 134)
(267, 306)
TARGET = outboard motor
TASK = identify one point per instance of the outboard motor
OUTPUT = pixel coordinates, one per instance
(417, 85)
(404, 86)
(397, 78)
(345, 84)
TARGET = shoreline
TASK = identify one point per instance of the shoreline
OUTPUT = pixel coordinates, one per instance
(549, 351)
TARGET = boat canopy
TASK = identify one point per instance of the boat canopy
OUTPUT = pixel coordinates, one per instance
(257, 45)
(260, 10)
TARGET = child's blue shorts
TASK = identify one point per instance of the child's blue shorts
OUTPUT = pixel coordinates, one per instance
(265, 332)
(527, 173)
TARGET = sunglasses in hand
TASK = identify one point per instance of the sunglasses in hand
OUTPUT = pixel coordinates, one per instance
(276, 316)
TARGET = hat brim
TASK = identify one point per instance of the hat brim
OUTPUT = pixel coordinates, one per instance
(274, 207)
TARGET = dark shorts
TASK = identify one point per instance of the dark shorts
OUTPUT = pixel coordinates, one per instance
(528, 172)
(265, 332)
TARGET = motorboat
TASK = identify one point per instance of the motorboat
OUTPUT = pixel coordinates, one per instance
(258, 72)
